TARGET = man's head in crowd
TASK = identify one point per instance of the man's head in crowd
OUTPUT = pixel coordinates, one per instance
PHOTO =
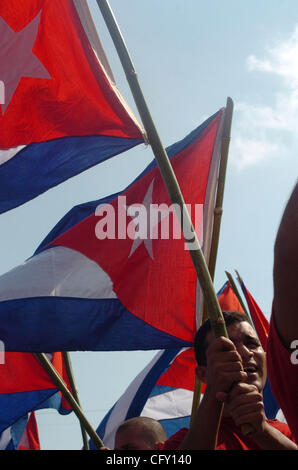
(246, 341)
(139, 433)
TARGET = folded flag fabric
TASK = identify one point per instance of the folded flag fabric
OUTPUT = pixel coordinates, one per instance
(260, 321)
(110, 267)
(61, 113)
(26, 386)
(22, 435)
(152, 394)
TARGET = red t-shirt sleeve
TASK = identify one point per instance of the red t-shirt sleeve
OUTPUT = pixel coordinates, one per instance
(283, 378)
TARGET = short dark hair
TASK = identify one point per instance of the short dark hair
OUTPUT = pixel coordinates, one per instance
(200, 345)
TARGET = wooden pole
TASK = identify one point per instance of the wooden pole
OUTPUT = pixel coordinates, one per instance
(218, 210)
(69, 370)
(50, 369)
(167, 172)
(237, 293)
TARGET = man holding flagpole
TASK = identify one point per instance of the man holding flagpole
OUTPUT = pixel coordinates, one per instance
(234, 371)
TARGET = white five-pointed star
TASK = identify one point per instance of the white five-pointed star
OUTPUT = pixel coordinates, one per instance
(17, 59)
(149, 224)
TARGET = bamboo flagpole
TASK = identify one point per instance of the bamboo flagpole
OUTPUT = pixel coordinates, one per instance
(168, 175)
(69, 370)
(166, 170)
(237, 293)
(218, 211)
(48, 366)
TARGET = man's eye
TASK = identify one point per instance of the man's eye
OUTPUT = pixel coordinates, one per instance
(253, 344)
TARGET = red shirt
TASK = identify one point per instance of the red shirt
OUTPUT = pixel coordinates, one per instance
(283, 377)
(229, 437)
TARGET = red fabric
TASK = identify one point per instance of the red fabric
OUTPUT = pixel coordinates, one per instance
(150, 285)
(229, 437)
(181, 373)
(228, 299)
(21, 372)
(260, 321)
(283, 377)
(30, 438)
(67, 93)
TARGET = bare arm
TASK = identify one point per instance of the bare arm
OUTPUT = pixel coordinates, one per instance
(285, 273)
(223, 370)
(204, 432)
(246, 405)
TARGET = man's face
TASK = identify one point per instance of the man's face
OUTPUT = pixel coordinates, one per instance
(249, 347)
(131, 438)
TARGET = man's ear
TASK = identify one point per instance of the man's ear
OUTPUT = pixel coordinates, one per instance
(201, 373)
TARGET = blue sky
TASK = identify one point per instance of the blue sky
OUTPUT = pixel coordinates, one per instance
(189, 56)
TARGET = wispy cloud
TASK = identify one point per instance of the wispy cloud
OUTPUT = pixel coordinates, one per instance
(260, 132)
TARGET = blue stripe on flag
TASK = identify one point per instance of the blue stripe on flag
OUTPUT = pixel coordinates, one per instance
(100, 330)
(145, 388)
(14, 405)
(41, 166)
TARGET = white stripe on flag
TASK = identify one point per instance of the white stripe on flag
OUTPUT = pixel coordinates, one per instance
(58, 271)
(6, 155)
(169, 405)
(119, 412)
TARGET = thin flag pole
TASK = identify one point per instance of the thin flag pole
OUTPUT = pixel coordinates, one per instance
(240, 280)
(166, 170)
(48, 366)
(237, 293)
(218, 210)
(168, 175)
(74, 391)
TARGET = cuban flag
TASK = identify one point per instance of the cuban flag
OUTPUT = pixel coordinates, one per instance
(26, 386)
(61, 112)
(115, 274)
(23, 435)
(163, 390)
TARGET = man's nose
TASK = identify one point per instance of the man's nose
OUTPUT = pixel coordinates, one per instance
(244, 352)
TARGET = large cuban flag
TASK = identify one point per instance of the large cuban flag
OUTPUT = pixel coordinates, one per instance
(60, 113)
(111, 275)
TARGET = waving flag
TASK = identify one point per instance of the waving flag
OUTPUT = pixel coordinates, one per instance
(154, 393)
(260, 321)
(61, 113)
(104, 271)
(23, 435)
(26, 386)
(261, 325)
(227, 298)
